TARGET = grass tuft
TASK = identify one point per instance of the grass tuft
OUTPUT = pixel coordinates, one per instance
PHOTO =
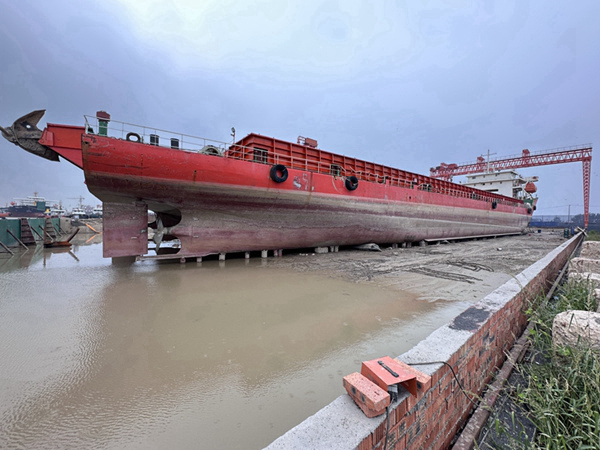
(563, 390)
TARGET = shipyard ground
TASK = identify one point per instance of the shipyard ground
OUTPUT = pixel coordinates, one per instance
(463, 270)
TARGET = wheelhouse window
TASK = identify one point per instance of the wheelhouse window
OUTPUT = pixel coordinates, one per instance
(260, 155)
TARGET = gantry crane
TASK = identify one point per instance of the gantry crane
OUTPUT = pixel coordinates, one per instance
(562, 155)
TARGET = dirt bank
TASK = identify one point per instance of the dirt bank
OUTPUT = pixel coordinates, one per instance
(465, 271)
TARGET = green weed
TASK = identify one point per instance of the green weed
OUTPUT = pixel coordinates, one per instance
(563, 391)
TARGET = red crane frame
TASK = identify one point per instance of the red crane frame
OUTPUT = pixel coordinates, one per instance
(562, 155)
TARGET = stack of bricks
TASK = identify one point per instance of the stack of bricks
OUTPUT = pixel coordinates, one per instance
(370, 388)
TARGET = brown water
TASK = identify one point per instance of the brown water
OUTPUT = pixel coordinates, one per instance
(222, 355)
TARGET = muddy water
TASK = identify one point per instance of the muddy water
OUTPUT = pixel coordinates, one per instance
(222, 355)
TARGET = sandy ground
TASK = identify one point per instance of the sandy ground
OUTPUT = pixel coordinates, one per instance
(465, 270)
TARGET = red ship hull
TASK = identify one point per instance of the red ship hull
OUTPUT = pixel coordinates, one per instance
(260, 193)
(233, 205)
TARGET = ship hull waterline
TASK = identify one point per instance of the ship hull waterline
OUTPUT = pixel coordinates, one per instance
(225, 205)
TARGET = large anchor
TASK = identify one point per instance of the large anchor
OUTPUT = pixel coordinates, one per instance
(25, 133)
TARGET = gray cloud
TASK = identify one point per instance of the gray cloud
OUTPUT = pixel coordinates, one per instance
(415, 85)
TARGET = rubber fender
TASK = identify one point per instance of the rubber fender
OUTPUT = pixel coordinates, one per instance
(279, 173)
(136, 137)
(351, 183)
(210, 150)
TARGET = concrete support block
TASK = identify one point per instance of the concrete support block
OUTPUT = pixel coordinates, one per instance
(585, 265)
(577, 328)
(247, 255)
(264, 253)
(182, 260)
(369, 397)
(221, 256)
(394, 246)
(403, 245)
(199, 259)
(422, 244)
(321, 249)
(590, 249)
(583, 276)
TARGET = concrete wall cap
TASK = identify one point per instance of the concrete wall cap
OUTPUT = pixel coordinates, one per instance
(339, 425)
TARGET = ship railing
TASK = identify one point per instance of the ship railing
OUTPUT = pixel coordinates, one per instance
(153, 136)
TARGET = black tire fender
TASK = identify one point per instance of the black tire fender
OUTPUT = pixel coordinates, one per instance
(279, 173)
(351, 183)
(136, 137)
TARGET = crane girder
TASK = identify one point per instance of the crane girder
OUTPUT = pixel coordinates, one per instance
(563, 155)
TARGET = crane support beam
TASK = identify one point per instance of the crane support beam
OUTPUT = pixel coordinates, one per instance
(562, 155)
(587, 170)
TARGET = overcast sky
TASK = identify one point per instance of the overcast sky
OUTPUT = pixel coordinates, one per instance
(404, 83)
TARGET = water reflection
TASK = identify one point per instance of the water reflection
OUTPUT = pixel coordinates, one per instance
(227, 355)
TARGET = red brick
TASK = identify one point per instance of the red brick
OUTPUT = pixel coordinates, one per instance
(380, 375)
(410, 403)
(400, 411)
(400, 443)
(431, 438)
(400, 429)
(366, 444)
(423, 380)
(410, 419)
(369, 397)
(379, 433)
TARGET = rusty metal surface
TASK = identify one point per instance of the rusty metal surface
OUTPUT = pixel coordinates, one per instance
(125, 228)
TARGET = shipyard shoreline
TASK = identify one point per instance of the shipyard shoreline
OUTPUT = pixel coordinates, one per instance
(229, 353)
